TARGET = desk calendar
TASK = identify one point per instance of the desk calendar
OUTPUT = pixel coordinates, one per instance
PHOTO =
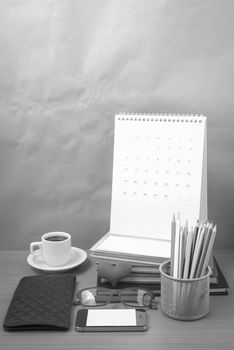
(159, 168)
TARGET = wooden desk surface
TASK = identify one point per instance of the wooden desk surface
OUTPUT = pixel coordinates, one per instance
(215, 331)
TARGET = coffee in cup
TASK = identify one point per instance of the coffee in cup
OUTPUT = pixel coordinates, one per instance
(54, 247)
(55, 238)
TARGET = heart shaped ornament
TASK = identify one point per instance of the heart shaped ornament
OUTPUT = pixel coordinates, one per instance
(113, 271)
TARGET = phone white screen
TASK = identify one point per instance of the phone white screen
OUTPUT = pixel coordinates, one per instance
(109, 317)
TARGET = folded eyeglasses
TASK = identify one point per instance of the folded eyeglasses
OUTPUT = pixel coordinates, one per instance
(133, 297)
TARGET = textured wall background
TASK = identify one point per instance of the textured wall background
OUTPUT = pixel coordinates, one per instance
(66, 67)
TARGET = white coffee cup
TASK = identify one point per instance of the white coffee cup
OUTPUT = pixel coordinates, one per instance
(54, 247)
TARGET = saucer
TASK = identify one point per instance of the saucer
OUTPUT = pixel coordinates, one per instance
(78, 256)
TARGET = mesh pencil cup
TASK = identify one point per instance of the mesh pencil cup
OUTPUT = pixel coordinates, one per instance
(184, 299)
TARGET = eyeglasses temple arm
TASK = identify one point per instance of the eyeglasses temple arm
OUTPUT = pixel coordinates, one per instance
(76, 300)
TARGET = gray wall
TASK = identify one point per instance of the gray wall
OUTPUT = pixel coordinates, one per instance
(66, 67)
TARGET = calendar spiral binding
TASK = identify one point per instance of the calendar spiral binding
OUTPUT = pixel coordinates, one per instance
(158, 117)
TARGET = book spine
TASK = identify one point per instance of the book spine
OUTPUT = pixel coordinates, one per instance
(156, 288)
(144, 270)
(135, 280)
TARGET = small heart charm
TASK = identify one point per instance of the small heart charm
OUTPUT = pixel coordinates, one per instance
(113, 271)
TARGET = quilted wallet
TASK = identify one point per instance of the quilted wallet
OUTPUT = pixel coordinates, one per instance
(41, 303)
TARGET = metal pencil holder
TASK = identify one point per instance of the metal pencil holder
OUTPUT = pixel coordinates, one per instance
(184, 299)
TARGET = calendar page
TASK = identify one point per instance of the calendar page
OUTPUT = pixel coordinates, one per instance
(157, 171)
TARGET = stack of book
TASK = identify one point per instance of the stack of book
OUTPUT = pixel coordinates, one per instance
(142, 275)
(148, 277)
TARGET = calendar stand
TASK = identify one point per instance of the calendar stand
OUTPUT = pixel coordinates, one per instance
(159, 168)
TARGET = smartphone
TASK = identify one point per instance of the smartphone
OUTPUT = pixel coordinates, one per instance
(111, 320)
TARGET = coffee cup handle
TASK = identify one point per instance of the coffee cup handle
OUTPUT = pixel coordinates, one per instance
(37, 245)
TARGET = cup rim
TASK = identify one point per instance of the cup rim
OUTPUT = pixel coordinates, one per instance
(57, 233)
(188, 280)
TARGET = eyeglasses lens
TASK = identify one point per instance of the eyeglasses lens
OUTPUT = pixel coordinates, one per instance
(95, 297)
(136, 297)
